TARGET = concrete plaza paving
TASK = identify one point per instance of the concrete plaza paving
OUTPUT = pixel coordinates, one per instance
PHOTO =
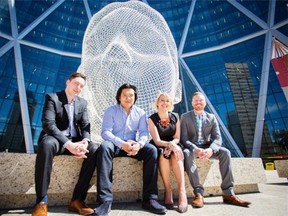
(271, 200)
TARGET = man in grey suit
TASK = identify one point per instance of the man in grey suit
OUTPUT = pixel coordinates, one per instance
(66, 130)
(200, 135)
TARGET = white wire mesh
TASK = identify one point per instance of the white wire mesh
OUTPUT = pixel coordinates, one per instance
(128, 42)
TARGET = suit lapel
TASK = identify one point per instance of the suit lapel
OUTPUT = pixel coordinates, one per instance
(205, 120)
(64, 100)
(194, 125)
(76, 106)
(64, 107)
(194, 122)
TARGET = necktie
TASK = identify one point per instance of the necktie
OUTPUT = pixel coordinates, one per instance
(199, 127)
(198, 121)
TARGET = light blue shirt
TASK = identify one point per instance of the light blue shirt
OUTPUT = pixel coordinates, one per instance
(70, 131)
(118, 126)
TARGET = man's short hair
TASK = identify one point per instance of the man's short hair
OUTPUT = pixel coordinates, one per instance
(77, 74)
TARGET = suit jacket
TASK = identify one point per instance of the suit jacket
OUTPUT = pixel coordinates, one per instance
(210, 130)
(55, 117)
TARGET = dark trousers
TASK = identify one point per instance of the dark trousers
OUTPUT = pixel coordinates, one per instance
(49, 147)
(107, 151)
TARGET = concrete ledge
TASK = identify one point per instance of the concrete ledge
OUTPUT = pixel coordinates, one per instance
(17, 187)
(282, 168)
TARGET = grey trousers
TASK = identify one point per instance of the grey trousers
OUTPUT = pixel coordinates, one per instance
(224, 157)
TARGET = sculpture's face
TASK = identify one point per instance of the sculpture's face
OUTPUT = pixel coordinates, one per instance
(129, 43)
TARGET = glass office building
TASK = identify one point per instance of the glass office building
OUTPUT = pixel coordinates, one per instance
(224, 50)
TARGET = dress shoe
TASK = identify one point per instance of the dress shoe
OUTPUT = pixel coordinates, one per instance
(153, 206)
(234, 200)
(103, 209)
(169, 206)
(198, 201)
(182, 209)
(80, 207)
(40, 209)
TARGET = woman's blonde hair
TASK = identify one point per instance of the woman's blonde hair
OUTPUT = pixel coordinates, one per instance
(167, 96)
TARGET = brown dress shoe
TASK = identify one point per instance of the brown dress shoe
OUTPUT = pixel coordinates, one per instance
(40, 209)
(198, 201)
(234, 200)
(80, 207)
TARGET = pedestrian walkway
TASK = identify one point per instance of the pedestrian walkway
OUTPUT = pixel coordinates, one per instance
(271, 200)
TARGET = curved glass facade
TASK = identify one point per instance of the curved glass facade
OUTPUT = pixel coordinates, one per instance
(224, 51)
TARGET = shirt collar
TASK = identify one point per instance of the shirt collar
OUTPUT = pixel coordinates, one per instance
(121, 108)
(202, 114)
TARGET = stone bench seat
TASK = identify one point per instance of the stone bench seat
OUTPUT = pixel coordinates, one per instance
(17, 187)
(282, 168)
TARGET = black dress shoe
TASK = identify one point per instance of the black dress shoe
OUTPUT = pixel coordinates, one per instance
(103, 209)
(169, 206)
(154, 207)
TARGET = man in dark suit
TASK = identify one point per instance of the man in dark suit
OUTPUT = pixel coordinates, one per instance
(66, 130)
(200, 135)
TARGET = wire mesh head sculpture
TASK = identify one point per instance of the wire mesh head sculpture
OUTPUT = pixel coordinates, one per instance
(128, 42)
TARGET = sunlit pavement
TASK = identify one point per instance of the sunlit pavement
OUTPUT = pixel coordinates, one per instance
(271, 200)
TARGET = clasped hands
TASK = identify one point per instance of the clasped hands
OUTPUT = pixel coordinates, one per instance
(78, 149)
(131, 147)
(203, 153)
